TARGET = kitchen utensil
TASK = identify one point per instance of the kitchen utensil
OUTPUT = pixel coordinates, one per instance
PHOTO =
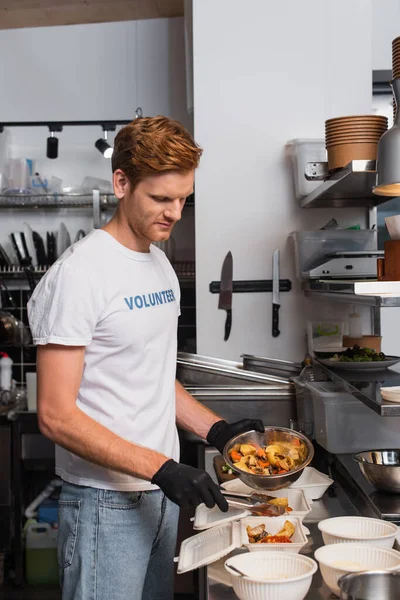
(255, 497)
(225, 294)
(13, 332)
(361, 366)
(39, 249)
(28, 233)
(276, 302)
(297, 501)
(51, 247)
(273, 576)
(80, 234)
(370, 585)
(63, 239)
(18, 247)
(27, 259)
(4, 258)
(360, 530)
(381, 468)
(238, 571)
(271, 435)
(336, 560)
(257, 508)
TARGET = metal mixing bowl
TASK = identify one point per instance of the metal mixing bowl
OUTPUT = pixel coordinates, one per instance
(381, 468)
(370, 585)
(271, 435)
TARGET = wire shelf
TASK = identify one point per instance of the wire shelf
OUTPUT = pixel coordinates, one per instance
(54, 200)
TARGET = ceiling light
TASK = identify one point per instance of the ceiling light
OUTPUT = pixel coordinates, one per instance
(103, 146)
(388, 159)
(52, 146)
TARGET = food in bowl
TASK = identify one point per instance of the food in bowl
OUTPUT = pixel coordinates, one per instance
(259, 534)
(274, 459)
(359, 354)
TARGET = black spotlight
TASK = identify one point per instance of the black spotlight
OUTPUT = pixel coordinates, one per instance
(52, 144)
(103, 146)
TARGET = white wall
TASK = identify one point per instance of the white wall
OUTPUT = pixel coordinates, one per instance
(261, 77)
(86, 72)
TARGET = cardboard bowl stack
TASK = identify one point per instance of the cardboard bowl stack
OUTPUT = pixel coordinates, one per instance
(396, 66)
(396, 57)
(353, 138)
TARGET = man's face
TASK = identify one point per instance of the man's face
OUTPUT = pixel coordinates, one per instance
(155, 205)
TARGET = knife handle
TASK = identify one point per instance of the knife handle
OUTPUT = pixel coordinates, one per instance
(275, 320)
(228, 323)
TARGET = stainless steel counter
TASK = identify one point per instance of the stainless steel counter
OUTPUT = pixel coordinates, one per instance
(334, 503)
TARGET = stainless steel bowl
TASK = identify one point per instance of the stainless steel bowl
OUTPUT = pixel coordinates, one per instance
(370, 585)
(271, 435)
(381, 468)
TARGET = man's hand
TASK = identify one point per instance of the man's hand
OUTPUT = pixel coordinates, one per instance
(221, 432)
(188, 487)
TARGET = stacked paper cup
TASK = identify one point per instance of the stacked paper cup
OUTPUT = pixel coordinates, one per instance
(353, 138)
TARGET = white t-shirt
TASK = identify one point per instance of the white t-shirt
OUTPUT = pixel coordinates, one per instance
(124, 307)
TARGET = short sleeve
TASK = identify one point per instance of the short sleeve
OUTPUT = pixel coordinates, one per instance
(64, 308)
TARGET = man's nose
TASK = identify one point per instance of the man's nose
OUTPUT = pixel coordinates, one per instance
(174, 211)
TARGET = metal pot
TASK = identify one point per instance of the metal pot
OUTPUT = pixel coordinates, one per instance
(271, 435)
(381, 468)
(370, 585)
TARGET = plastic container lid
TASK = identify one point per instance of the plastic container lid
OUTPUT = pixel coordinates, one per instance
(214, 543)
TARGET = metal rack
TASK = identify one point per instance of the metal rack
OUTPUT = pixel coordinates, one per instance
(347, 291)
(348, 187)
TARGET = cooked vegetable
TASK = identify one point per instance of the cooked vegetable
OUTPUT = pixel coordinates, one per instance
(274, 459)
(227, 469)
(259, 535)
(358, 354)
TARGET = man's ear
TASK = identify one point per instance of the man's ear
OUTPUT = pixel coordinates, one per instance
(120, 184)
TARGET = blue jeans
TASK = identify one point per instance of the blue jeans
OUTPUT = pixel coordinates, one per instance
(116, 545)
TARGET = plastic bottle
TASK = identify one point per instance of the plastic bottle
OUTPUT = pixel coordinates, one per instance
(6, 364)
(355, 325)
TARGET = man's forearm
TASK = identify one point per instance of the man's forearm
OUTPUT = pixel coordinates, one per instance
(191, 415)
(82, 435)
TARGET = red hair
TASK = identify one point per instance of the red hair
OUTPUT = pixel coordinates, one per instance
(152, 145)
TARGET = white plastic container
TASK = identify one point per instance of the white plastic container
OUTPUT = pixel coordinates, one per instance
(343, 424)
(359, 530)
(336, 560)
(275, 577)
(313, 483)
(296, 498)
(214, 543)
(303, 151)
(310, 247)
(6, 364)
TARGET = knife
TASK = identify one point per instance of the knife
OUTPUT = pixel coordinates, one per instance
(225, 292)
(276, 300)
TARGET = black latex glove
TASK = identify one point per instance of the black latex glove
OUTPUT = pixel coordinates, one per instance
(221, 432)
(188, 487)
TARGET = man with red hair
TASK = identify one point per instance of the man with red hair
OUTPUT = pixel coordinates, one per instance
(104, 318)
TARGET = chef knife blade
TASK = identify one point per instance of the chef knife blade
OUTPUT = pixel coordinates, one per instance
(225, 292)
(276, 300)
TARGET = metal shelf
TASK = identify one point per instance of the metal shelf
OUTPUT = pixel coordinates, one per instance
(345, 291)
(54, 200)
(347, 187)
(366, 385)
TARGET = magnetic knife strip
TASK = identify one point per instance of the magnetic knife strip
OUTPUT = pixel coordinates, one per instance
(260, 285)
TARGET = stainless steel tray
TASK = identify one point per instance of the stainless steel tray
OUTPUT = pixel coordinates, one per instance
(194, 369)
(239, 392)
(271, 366)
